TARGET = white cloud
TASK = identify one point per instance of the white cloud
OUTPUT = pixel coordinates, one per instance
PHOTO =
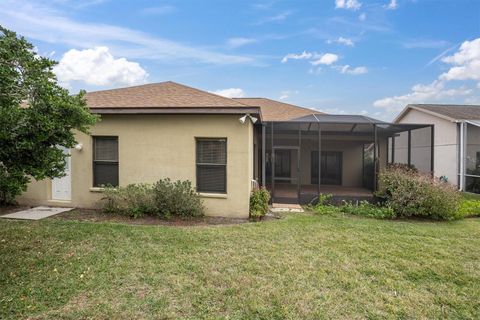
(239, 42)
(333, 111)
(305, 55)
(441, 55)
(158, 10)
(466, 62)
(40, 22)
(362, 16)
(230, 92)
(424, 44)
(435, 91)
(284, 95)
(344, 41)
(276, 18)
(327, 59)
(346, 69)
(392, 5)
(466, 66)
(98, 67)
(348, 4)
(314, 57)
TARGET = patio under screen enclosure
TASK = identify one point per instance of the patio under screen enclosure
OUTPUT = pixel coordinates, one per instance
(335, 154)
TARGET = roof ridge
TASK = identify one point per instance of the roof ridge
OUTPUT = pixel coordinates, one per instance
(135, 86)
(155, 84)
(203, 91)
(288, 104)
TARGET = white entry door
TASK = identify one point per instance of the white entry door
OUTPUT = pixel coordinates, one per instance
(62, 187)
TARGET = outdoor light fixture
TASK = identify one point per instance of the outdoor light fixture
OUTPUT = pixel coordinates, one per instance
(78, 146)
(244, 118)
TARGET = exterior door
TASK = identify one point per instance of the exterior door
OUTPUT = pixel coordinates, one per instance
(331, 164)
(331, 168)
(62, 187)
(285, 175)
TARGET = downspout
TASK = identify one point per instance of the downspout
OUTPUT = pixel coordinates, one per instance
(375, 158)
(461, 186)
(264, 152)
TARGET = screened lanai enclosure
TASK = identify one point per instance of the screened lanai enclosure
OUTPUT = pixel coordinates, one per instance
(339, 155)
(469, 159)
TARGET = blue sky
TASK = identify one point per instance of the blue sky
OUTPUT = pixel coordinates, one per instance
(339, 56)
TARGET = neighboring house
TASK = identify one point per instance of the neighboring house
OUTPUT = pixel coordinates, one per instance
(456, 140)
(224, 146)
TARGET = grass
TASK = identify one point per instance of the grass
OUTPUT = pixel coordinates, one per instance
(303, 266)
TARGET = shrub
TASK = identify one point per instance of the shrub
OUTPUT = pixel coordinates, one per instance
(324, 205)
(177, 198)
(134, 200)
(12, 184)
(410, 193)
(366, 209)
(259, 199)
(164, 198)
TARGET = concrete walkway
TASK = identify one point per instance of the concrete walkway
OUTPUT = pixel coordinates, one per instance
(285, 207)
(36, 213)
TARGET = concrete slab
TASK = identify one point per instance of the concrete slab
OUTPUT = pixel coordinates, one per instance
(36, 213)
(285, 207)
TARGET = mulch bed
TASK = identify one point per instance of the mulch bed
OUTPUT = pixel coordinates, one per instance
(98, 216)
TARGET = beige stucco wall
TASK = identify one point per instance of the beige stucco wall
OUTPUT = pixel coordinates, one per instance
(446, 147)
(152, 147)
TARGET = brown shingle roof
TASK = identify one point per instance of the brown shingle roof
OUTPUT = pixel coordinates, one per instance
(277, 111)
(457, 112)
(158, 95)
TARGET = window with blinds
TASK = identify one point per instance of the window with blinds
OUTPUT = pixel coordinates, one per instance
(211, 161)
(105, 161)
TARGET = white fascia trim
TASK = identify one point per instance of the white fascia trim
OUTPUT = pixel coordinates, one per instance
(434, 114)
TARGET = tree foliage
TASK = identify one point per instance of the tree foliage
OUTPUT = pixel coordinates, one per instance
(36, 116)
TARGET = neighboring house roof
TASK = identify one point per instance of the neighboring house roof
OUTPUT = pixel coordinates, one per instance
(157, 95)
(277, 111)
(450, 112)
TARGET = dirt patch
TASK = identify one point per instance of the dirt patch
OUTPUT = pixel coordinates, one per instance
(98, 216)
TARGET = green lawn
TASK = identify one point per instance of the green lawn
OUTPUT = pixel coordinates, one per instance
(302, 266)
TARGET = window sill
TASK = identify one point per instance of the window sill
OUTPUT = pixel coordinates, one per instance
(213, 195)
(58, 201)
(97, 189)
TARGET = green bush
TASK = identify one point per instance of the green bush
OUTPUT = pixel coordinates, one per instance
(165, 198)
(12, 184)
(363, 208)
(410, 193)
(324, 205)
(366, 209)
(259, 199)
(177, 198)
(469, 208)
(134, 200)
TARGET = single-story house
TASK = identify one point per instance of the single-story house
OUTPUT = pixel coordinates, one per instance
(456, 141)
(225, 147)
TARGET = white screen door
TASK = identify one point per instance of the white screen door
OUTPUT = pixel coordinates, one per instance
(62, 187)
